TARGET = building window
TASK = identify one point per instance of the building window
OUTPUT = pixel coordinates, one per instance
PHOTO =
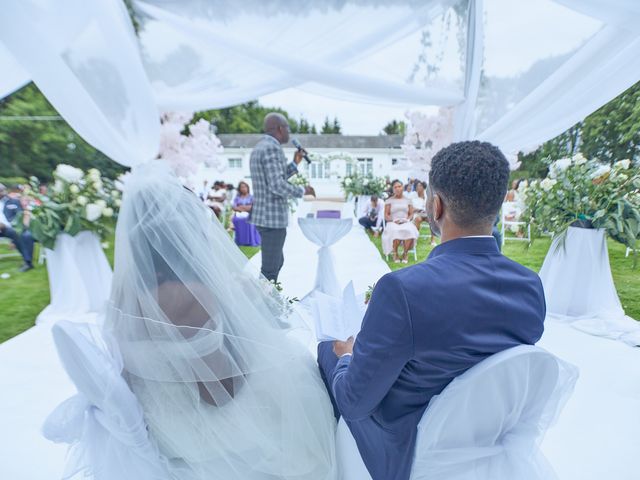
(320, 170)
(394, 161)
(365, 166)
(235, 163)
(349, 168)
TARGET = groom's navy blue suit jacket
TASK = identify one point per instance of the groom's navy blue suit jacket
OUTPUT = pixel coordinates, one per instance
(424, 326)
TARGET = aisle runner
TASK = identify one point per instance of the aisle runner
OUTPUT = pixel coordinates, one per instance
(596, 437)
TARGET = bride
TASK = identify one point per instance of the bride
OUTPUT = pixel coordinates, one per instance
(227, 388)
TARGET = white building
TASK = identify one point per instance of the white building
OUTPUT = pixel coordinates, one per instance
(378, 155)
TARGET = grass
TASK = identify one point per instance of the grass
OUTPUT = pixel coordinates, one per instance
(24, 295)
(626, 279)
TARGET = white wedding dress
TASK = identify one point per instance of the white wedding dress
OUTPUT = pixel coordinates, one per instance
(208, 348)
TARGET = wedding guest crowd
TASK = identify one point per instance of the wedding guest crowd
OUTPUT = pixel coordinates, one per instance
(11, 204)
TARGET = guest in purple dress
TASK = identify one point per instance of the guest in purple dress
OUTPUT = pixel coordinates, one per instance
(246, 233)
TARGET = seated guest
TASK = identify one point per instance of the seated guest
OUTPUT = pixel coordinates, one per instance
(431, 322)
(216, 198)
(246, 233)
(9, 209)
(373, 216)
(398, 213)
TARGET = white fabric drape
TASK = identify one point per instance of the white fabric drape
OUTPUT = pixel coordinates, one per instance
(84, 58)
(324, 232)
(487, 423)
(579, 287)
(79, 277)
(13, 75)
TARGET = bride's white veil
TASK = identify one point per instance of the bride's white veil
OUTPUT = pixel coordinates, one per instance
(226, 390)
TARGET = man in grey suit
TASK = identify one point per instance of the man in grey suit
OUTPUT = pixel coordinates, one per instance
(271, 191)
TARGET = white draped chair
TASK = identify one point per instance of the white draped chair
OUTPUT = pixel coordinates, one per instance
(487, 423)
(103, 422)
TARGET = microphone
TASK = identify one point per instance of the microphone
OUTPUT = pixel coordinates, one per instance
(296, 144)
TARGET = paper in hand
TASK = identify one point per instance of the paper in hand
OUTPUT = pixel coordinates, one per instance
(337, 318)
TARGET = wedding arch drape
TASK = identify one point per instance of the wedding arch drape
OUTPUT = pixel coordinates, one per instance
(515, 76)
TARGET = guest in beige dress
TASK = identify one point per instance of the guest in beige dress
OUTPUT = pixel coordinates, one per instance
(398, 212)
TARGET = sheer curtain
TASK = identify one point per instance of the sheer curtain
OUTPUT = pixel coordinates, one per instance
(85, 59)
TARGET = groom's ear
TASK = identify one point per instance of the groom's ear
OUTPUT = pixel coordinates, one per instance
(437, 206)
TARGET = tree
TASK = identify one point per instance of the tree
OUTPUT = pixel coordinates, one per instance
(609, 134)
(331, 127)
(395, 127)
(34, 147)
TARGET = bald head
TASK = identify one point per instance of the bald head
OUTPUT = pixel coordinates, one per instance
(276, 125)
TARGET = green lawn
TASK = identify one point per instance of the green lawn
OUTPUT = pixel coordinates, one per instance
(24, 295)
(626, 279)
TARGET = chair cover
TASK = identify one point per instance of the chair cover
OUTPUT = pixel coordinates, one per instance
(324, 232)
(103, 423)
(79, 277)
(487, 423)
(579, 288)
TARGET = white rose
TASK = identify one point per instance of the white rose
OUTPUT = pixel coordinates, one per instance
(559, 166)
(624, 164)
(68, 173)
(118, 202)
(102, 203)
(600, 171)
(58, 186)
(115, 193)
(547, 184)
(74, 189)
(93, 212)
(365, 182)
(107, 212)
(347, 181)
(82, 200)
(94, 174)
(579, 159)
(97, 184)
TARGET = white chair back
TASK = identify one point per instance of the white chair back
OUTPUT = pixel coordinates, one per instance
(103, 423)
(510, 217)
(486, 424)
(489, 421)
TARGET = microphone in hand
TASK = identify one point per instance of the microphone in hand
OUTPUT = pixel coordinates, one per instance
(296, 144)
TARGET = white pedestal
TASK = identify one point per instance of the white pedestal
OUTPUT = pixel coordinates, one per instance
(79, 277)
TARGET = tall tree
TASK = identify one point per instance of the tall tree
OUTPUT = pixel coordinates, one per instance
(326, 126)
(29, 146)
(395, 127)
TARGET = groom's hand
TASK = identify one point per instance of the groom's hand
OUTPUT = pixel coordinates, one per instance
(342, 348)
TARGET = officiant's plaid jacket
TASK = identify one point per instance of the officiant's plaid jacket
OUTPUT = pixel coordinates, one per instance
(271, 190)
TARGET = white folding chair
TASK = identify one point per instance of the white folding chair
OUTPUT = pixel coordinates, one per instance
(413, 250)
(486, 424)
(511, 209)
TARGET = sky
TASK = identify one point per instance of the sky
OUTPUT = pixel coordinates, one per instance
(513, 41)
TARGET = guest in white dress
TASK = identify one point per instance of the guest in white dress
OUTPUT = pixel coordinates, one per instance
(398, 212)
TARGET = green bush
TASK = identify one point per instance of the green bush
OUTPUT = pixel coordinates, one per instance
(10, 181)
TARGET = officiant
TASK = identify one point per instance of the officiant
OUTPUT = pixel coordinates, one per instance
(269, 174)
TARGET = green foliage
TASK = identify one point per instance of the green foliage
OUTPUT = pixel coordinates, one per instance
(395, 127)
(248, 118)
(329, 127)
(577, 189)
(610, 133)
(356, 184)
(9, 181)
(34, 148)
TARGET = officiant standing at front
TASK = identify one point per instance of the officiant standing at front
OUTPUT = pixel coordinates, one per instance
(427, 324)
(269, 174)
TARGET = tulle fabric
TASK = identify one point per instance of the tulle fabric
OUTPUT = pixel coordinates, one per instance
(210, 350)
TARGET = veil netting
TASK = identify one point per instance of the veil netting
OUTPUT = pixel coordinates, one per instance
(209, 348)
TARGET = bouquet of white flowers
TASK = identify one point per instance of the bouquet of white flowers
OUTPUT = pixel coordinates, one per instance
(356, 184)
(586, 193)
(77, 201)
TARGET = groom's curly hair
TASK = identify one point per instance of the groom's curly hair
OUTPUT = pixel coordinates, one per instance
(471, 178)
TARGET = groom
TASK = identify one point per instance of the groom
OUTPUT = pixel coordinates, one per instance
(429, 323)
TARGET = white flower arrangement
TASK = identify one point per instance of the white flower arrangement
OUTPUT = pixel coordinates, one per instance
(67, 173)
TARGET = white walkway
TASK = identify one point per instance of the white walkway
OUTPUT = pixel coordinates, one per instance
(598, 435)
